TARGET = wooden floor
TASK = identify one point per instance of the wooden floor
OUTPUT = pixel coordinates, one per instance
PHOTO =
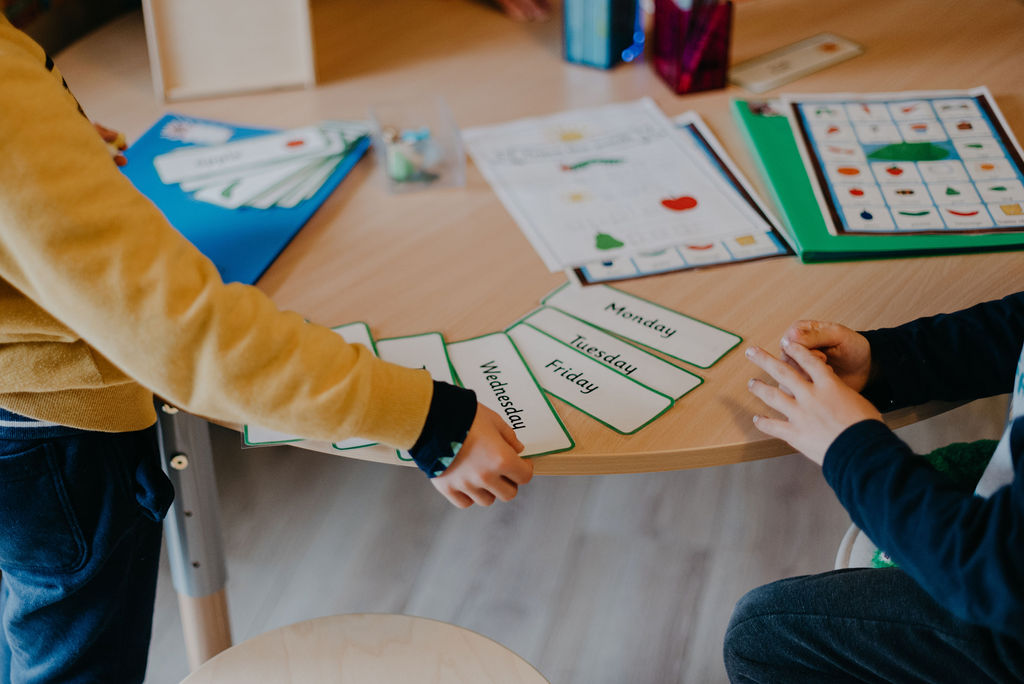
(624, 578)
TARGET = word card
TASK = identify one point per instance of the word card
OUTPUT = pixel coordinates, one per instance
(279, 169)
(621, 356)
(791, 62)
(492, 367)
(650, 324)
(937, 162)
(418, 351)
(604, 394)
(355, 333)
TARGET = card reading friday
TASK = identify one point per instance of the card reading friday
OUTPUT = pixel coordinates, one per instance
(628, 359)
(606, 395)
(418, 351)
(492, 367)
(650, 324)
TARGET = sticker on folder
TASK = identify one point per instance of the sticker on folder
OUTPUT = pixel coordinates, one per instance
(628, 359)
(492, 367)
(418, 351)
(650, 324)
(610, 397)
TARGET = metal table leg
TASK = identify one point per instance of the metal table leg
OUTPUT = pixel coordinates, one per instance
(193, 534)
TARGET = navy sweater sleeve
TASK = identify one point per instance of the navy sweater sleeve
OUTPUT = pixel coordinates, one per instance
(964, 355)
(451, 413)
(966, 551)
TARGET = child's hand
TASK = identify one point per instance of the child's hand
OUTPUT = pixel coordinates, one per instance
(845, 350)
(488, 466)
(526, 10)
(115, 140)
(818, 404)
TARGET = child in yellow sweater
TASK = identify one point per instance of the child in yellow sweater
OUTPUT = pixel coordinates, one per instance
(102, 304)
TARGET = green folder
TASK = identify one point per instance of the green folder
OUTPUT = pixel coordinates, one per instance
(771, 139)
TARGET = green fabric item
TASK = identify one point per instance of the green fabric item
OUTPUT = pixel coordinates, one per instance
(961, 462)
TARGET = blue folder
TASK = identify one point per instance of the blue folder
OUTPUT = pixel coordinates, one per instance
(242, 242)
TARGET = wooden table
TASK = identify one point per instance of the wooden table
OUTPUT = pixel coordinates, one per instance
(454, 261)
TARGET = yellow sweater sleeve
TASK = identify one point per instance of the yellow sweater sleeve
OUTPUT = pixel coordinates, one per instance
(78, 240)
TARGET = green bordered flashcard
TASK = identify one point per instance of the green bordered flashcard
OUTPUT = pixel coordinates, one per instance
(643, 321)
(355, 333)
(256, 435)
(426, 351)
(604, 394)
(619, 355)
(491, 366)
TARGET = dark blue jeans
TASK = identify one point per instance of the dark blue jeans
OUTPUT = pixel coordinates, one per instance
(79, 548)
(861, 625)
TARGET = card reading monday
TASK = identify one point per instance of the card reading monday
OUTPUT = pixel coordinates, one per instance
(650, 324)
(491, 366)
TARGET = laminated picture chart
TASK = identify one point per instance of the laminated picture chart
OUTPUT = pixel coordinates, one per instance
(591, 185)
(939, 162)
(761, 241)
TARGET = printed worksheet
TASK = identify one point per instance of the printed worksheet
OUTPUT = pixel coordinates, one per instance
(936, 162)
(594, 184)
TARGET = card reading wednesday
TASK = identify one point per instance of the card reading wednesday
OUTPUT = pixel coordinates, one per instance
(418, 351)
(610, 397)
(491, 366)
(631, 361)
(650, 324)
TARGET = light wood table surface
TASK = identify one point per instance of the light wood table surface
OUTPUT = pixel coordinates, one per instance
(453, 260)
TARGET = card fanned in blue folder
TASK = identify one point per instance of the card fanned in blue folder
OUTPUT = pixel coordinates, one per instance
(199, 193)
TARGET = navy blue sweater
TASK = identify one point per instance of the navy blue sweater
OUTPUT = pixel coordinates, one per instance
(966, 551)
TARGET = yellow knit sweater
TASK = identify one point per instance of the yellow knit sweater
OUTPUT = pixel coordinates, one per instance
(103, 303)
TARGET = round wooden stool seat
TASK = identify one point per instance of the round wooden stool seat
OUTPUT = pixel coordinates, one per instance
(368, 649)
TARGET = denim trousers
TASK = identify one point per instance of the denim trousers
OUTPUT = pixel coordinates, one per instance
(80, 540)
(861, 625)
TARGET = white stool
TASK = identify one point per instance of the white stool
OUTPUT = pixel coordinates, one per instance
(368, 649)
(855, 550)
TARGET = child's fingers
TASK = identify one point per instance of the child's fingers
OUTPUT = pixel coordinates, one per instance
(480, 496)
(519, 471)
(504, 489)
(455, 497)
(773, 397)
(781, 372)
(780, 429)
(509, 435)
(813, 365)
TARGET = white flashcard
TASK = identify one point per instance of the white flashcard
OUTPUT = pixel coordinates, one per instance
(256, 435)
(235, 192)
(621, 356)
(418, 351)
(196, 162)
(650, 324)
(492, 367)
(606, 395)
(355, 333)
